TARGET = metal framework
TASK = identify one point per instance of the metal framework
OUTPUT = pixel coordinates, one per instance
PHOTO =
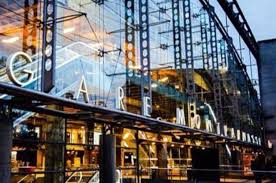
(36, 101)
(48, 45)
(228, 39)
(215, 70)
(130, 55)
(144, 51)
(233, 86)
(30, 26)
(204, 40)
(178, 61)
(234, 12)
(190, 84)
(223, 53)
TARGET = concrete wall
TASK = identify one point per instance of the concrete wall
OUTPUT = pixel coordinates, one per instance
(267, 73)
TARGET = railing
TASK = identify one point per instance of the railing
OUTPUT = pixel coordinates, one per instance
(25, 179)
(74, 175)
(95, 178)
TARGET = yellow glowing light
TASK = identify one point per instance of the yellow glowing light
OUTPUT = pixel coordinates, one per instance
(125, 144)
(10, 40)
(69, 30)
(126, 136)
(164, 79)
(134, 67)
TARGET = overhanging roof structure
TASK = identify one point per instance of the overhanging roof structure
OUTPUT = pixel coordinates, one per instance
(34, 101)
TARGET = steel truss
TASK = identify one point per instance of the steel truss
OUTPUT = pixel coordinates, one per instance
(144, 51)
(233, 86)
(178, 61)
(30, 26)
(48, 45)
(231, 48)
(227, 38)
(215, 71)
(190, 84)
(130, 56)
(223, 53)
(204, 40)
(234, 12)
(189, 60)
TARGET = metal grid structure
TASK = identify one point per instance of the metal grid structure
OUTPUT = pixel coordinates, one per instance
(215, 71)
(204, 40)
(30, 27)
(144, 51)
(213, 58)
(234, 12)
(48, 45)
(188, 39)
(178, 60)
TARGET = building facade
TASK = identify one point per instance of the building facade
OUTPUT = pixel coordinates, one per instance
(151, 87)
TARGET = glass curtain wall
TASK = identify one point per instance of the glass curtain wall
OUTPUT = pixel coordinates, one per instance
(92, 47)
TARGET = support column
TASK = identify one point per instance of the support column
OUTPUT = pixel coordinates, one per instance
(178, 61)
(5, 149)
(137, 156)
(204, 40)
(54, 152)
(188, 39)
(108, 159)
(162, 162)
(48, 45)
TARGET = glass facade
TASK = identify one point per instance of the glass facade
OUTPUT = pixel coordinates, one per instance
(157, 61)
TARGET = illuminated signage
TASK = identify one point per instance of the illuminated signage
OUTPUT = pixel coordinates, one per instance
(18, 79)
(22, 77)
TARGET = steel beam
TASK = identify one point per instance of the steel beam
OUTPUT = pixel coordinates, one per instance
(48, 45)
(228, 39)
(216, 77)
(178, 61)
(234, 12)
(223, 54)
(130, 55)
(204, 40)
(30, 26)
(144, 51)
(190, 84)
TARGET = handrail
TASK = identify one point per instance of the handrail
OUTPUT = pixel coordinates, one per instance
(73, 174)
(21, 180)
(95, 178)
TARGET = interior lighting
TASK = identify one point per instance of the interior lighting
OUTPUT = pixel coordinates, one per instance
(134, 67)
(165, 139)
(154, 85)
(10, 40)
(126, 136)
(164, 79)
